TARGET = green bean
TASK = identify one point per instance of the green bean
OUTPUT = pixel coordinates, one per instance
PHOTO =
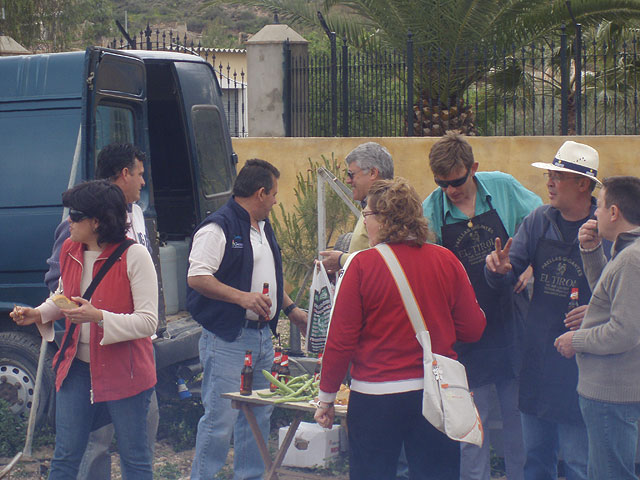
(277, 382)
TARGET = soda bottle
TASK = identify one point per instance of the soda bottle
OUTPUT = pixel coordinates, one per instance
(246, 377)
(316, 372)
(265, 291)
(275, 368)
(573, 300)
(284, 373)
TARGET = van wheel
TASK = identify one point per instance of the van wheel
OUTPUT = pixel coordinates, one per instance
(19, 353)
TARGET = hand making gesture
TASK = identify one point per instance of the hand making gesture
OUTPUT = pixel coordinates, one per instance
(498, 260)
(588, 235)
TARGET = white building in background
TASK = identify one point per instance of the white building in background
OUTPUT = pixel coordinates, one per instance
(231, 69)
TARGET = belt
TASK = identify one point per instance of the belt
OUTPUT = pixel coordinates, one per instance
(255, 324)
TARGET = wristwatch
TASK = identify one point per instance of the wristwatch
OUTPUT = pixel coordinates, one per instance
(287, 310)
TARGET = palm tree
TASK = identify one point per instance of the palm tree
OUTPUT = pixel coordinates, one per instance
(445, 34)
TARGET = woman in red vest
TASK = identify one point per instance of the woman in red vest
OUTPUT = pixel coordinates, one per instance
(105, 363)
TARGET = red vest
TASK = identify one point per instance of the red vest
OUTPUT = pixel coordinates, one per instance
(119, 370)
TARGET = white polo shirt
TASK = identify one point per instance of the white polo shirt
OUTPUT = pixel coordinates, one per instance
(207, 252)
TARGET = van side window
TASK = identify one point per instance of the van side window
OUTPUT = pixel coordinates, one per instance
(113, 125)
(214, 165)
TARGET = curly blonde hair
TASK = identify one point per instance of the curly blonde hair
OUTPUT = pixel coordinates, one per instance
(398, 209)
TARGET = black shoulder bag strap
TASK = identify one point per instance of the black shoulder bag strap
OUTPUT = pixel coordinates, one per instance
(89, 291)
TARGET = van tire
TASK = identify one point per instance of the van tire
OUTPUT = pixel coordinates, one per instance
(19, 353)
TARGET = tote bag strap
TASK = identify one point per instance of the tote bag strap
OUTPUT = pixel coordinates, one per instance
(410, 304)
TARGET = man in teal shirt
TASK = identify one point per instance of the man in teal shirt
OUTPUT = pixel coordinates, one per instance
(467, 212)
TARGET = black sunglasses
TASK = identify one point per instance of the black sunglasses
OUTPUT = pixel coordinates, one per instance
(452, 183)
(77, 216)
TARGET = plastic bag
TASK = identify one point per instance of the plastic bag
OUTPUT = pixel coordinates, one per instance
(320, 302)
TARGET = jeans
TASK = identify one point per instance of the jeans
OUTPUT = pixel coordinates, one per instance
(475, 462)
(74, 417)
(613, 435)
(222, 362)
(544, 440)
(378, 427)
(96, 461)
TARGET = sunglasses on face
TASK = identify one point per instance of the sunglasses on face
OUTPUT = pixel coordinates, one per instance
(77, 216)
(452, 183)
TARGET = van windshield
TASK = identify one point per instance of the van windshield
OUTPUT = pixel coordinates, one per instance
(215, 168)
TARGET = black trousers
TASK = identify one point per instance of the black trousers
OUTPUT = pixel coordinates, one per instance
(380, 424)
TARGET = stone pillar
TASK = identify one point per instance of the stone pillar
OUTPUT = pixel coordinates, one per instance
(266, 78)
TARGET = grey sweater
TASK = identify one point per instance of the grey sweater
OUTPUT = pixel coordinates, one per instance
(608, 342)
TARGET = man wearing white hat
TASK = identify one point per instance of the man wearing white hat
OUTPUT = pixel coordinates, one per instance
(548, 240)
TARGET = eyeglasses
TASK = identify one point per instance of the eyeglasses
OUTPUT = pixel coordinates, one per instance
(558, 176)
(366, 213)
(351, 174)
(452, 183)
(77, 216)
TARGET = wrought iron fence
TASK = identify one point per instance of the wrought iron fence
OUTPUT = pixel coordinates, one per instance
(232, 83)
(551, 88)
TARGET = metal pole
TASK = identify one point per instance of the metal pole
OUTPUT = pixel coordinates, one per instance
(564, 83)
(334, 85)
(287, 89)
(345, 88)
(410, 85)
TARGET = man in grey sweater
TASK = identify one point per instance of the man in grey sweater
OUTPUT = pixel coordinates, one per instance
(607, 345)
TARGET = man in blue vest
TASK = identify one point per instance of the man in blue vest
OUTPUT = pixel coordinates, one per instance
(234, 254)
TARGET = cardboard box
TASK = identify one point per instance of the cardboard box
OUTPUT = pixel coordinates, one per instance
(311, 446)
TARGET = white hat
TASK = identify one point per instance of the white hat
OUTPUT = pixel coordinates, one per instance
(576, 158)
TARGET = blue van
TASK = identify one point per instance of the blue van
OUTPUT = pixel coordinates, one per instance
(57, 111)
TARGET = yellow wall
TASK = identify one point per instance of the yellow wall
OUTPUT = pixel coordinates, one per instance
(514, 155)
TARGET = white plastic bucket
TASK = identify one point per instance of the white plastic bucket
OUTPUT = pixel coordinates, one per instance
(168, 266)
(182, 266)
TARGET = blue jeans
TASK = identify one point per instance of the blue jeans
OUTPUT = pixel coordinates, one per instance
(613, 435)
(475, 463)
(544, 440)
(222, 362)
(74, 417)
(96, 461)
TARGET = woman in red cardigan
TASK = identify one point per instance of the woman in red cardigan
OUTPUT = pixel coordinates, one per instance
(105, 363)
(370, 330)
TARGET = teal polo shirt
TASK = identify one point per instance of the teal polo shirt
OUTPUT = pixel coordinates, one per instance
(511, 200)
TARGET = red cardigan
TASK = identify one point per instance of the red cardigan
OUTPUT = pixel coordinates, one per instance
(119, 370)
(369, 324)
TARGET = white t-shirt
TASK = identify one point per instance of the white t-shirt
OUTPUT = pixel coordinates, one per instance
(207, 252)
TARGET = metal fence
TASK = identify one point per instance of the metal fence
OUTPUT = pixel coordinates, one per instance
(551, 88)
(232, 83)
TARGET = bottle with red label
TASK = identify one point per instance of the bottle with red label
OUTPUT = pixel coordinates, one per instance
(265, 291)
(275, 368)
(285, 372)
(573, 300)
(246, 376)
(316, 372)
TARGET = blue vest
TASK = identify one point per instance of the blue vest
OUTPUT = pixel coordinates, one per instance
(223, 318)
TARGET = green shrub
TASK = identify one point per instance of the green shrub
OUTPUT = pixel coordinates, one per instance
(179, 422)
(13, 430)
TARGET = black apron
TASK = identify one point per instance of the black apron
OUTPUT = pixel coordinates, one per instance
(548, 380)
(496, 355)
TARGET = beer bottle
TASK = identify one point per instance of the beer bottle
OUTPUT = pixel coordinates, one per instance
(573, 300)
(275, 368)
(316, 372)
(284, 373)
(265, 291)
(246, 377)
